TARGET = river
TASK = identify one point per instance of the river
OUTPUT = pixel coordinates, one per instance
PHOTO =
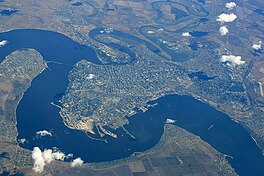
(35, 112)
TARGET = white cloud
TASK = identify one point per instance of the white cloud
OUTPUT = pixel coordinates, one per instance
(70, 155)
(257, 46)
(44, 133)
(39, 161)
(151, 32)
(186, 34)
(170, 121)
(226, 18)
(232, 60)
(90, 76)
(230, 5)
(48, 156)
(76, 162)
(22, 141)
(58, 155)
(223, 30)
(3, 43)
(45, 157)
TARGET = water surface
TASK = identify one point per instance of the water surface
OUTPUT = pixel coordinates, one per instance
(35, 112)
(7, 12)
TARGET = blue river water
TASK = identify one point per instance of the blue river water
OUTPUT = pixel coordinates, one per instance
(7, 12)
(35, 112)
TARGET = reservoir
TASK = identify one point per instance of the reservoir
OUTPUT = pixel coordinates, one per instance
(35, 112)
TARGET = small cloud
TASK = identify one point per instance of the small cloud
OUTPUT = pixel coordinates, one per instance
(230, 5)
(90, 76)
(39, 161)
(226, 18)
(150, 32)
(22, 141)
(223, 30)
(76, 162)
(45, 157)
(44, 133)
(257, 46)
(186, 34)
(58, 155)
(70, 155)
(3, 43)
(169, 121)
(232, 60)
